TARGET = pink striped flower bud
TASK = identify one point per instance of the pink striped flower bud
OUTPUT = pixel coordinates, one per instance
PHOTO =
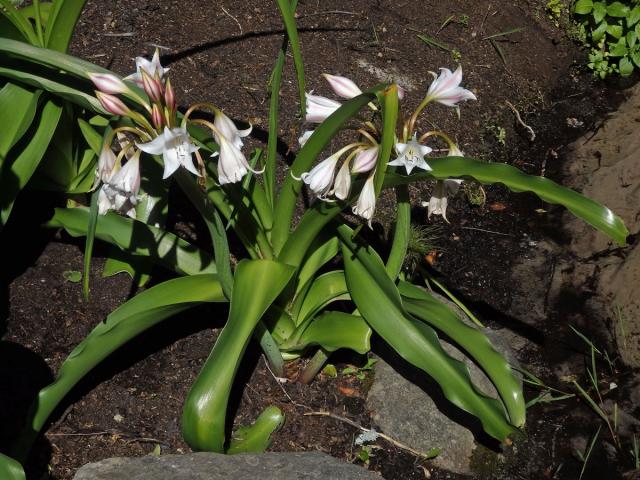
(156, 117)
(169, 96)
(112, 104)
(108, 83)
(152, 87)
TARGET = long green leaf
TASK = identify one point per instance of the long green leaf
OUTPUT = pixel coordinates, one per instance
(10, 469)
(424, 306)
(257, 437)
(332, 331)
(62, 21)
(88, 244)
(18, 107)
(287, 10)
(325, 289)
(18, 20)
(321, 252)
(588, 210)
(257, 284)
(68, 93)
(138, 238)
(272, 145)
(16, 174)
(126, 322)
(389, 103)
(379, 302)
(291, 188)
(401, 231)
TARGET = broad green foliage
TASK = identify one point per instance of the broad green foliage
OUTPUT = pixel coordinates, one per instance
(612, 30)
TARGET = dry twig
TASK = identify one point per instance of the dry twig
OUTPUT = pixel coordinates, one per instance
(379, 434)
(532, 134)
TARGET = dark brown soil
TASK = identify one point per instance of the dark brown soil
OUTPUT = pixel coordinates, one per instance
(134, 402)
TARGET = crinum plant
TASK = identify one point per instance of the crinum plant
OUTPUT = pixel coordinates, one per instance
(284, 291)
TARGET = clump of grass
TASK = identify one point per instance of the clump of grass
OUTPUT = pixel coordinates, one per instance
(423, 239)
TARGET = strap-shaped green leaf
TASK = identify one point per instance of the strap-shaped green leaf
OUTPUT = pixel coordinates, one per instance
(332, 331)
(582, 207)
(126, 322)
(257, 437)
(328, 287)
(17, 172)
(18, 107)
(138, 238)
(68, 93)
(423, 305)
(18, 20)
(257, 284)
(62, 21)
(10, 469)
(389, 104)
(288, 17)
(378, 300)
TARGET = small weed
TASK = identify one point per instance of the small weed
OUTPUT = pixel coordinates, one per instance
(360, 372)
(456, 55)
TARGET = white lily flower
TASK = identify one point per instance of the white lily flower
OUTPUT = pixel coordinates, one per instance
(411, 155)
(366, 205)
(106, 165)
(342, 86)
(176, 149)
(152, 67)
(304, 137)
(342, 185)
(365, 160)
(228, 129)
(232, 164)
(319, 108)
(320, 178)
(437, 204)
(120, 193)
(446, 89)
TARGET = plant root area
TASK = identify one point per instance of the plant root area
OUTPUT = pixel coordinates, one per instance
(223, 52)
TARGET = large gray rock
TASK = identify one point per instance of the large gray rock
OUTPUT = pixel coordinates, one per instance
(605, 166)
(214, 466)
(410, 408)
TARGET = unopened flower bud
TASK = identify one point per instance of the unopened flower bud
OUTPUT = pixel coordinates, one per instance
(156, 117)
(112, 104)
(108, 83)
(152, 87)
(169, 96)
(342, 86)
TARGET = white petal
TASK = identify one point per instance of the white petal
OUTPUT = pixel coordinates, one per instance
(154, 147)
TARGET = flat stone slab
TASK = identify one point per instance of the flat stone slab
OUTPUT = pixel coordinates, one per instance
(215, 466)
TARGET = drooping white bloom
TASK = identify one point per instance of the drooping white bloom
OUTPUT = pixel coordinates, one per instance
(366, 205)
(108, 83)
(411, 155)
(120, 192)
(319, 108)
(232, 164)
(320, 178)
(342, 185)
(342, 86)
(106, 165)
(228, 129)
(152, 67)
(176, 149)
(365, 160)
(304, 137)
(437, 204)
(446, 89)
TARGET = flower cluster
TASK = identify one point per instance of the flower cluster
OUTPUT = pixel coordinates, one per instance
(156, 131)
(361, 156)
